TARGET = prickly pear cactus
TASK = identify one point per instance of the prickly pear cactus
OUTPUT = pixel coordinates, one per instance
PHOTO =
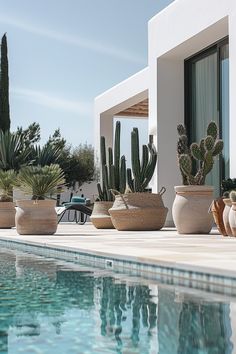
(203, 154)
(233, 196)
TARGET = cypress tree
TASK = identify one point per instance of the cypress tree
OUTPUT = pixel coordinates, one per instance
(4, 87)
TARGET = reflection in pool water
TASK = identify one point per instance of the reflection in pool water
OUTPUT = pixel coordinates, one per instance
(49, 306)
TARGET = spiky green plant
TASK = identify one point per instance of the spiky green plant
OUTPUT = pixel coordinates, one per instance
(142, 170)
(232, 196)
(113, 168)
(46, 155)
(8, 180)
(41, 182)
(13, 153)
(202, 154)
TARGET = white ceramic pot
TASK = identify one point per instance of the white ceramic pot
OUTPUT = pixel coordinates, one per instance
(191, 209)
(226, 211)
(7, 215)
(100, 217)
(36, 217)
(232, 219)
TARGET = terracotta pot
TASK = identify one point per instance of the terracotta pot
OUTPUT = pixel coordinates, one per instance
(7, 215)
(138, 212)
(191, 209)
(36, 217)
(100, 216)
(227, 208)
(232, 219)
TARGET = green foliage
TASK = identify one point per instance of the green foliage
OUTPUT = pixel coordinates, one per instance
(30, 135)
(203, 154)
(4, 87)
(13, 153)
(41, 182)
(81, 165)
(142, 170)
(57, 140)
(8, 180)
(227, 186)
(113, 169)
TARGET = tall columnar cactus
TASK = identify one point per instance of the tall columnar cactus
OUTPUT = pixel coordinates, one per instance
(142, 170)
(113, 169)
(203, 153)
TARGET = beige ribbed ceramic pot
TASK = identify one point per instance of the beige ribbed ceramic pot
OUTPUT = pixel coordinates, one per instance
(226, 211)
(232, 219)
(100, 216)
(36, 217)
(191, 209)
(7, 215)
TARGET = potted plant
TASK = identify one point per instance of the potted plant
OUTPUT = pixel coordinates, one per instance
(228, 185)
(38, 216)
(113, 177)
(232, 214)
(7, 207)
(138, 209)
(193, 199)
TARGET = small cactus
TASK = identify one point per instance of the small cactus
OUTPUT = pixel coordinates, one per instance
(232, 196)
(203, 153)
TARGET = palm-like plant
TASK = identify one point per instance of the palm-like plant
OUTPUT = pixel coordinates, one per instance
(8, 179)
(41, 182)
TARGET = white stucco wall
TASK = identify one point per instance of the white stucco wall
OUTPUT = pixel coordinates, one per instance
(182, 29)
(115, 100)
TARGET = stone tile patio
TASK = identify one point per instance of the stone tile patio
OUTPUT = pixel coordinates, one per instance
(213, 253)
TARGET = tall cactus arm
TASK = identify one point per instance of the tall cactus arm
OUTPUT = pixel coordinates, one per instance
(150, 169)
(130, 180)
(110, 156)
(117, 154)
(135, 159)
(103, 150)
(112, 184)
(144, 161)
(122, 175)
(100, 192)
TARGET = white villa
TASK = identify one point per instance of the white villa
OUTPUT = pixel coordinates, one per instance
(190, 78)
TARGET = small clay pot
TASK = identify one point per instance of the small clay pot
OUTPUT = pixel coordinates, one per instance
(232, 219)
(226, 212)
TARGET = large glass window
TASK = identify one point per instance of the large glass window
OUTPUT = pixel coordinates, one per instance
(207, 99)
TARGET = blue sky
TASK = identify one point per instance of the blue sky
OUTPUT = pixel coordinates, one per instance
(63, 53)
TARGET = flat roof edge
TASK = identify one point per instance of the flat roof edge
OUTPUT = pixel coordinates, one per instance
(141, 75)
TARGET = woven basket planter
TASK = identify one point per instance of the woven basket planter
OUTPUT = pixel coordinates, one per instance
(138, 212)
(7, 215)
(36, 217)
(100, 216)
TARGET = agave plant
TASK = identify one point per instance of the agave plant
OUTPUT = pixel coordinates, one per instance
(13, 154)
(41, 182)
(8, 179)
(46, 155)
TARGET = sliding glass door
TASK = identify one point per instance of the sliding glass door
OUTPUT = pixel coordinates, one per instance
(207, 99)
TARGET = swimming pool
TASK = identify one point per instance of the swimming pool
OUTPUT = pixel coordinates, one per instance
(50, 306)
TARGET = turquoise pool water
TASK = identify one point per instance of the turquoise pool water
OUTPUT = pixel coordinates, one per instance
(54, 307)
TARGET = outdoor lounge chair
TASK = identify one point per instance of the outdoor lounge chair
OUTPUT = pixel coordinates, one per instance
(81, 210)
